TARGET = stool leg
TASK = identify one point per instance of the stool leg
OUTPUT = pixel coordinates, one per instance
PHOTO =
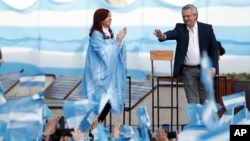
(110, 121)
(158, 106)
(177, 104)
(124, 114)
(153, 106)
(129, 114)
(172, 104)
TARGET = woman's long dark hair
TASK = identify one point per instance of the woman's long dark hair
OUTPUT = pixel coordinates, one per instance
(100, 15)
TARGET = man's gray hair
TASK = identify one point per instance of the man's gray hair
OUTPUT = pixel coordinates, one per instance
(190, 6)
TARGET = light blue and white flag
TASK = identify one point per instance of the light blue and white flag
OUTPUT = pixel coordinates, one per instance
(47, 114)
(127, 132)
(142, 115)
(143, 122)
(75, 111)
(100, 133)
(32, 79)
(210, 116)
(3, 126)
(99, 103)
(90, 118)
(195, 126)
(192, 133)
(219, 134)
(2, 94)
(234, 100)
(242, 117)
(194, 113)
(227, 117)
(23, 118)
(206, 74)
(136, 136)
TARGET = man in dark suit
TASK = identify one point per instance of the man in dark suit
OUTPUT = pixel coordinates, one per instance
(192, 39)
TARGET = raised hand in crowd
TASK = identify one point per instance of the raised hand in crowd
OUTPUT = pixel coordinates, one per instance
(51, 128)
(93, 125)
(161, 135)
(77, 135)
(116, 131)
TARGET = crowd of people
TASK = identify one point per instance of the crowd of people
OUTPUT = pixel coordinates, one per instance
(53, 132)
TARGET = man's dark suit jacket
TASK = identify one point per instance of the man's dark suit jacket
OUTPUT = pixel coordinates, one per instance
(207, 42)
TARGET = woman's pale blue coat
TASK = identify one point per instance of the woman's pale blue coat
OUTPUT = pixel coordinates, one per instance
(105, 72)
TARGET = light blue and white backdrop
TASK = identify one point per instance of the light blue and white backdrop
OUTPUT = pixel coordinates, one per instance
(53, 34)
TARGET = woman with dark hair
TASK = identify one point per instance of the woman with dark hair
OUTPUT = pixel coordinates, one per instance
(104, 77)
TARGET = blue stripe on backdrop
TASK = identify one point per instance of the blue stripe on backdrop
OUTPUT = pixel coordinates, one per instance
(240, 33)
(16, 67)
(69, 39)
(49, 33)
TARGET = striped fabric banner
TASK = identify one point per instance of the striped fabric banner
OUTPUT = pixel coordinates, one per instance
(53, 34)
(23, 118)
(75, 111)
(33, 79)
(2, 94)
(234, 100)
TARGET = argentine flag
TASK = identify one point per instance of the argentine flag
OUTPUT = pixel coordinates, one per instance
(23, 118)
(75, 111)
(209, 114)
(47, 114)
(219, 134)
(92, 116)
(206, 74)
(2, 93)
(195, 126)
(227, 117)
(194, 113)
(126, 132)
(234, 100)
(32, 79)
(100, 133)
(3, 126)
(242, 117)
(143, 122)
(136, 136)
